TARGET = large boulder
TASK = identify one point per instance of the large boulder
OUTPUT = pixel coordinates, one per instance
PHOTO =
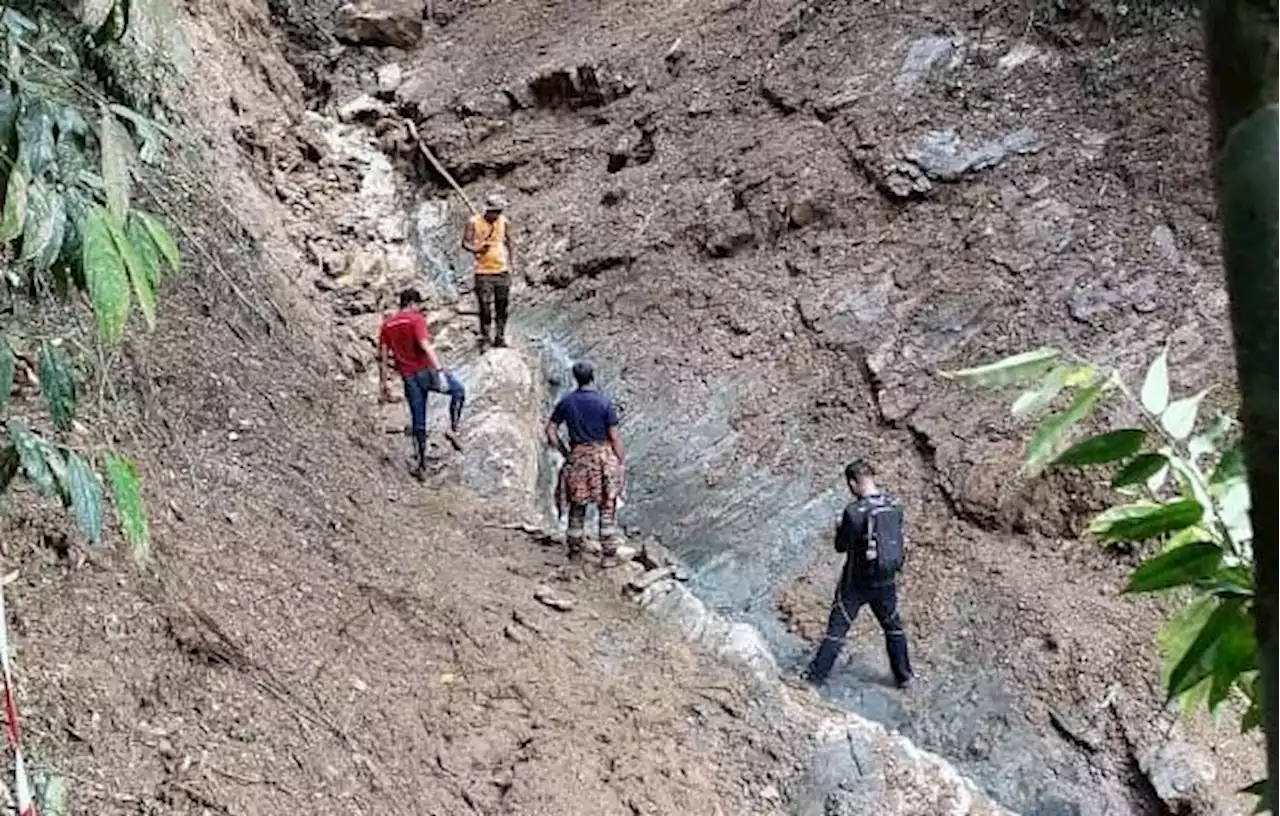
(395, 23)
(501, 430)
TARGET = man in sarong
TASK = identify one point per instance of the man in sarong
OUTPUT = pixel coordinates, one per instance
(595, 466)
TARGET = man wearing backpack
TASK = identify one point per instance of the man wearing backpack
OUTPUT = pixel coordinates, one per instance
(870, 533)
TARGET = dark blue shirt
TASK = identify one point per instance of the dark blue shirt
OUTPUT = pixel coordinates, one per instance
(588, 414)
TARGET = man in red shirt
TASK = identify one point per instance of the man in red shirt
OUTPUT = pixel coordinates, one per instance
(403, 340)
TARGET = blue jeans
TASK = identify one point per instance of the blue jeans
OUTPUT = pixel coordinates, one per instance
(416, 389)
(883, 601)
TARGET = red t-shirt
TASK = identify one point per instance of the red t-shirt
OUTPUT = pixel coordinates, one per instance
(402, 333)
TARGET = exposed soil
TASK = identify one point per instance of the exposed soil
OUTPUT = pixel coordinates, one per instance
(720, 202)
(710, 214)
(318, 633)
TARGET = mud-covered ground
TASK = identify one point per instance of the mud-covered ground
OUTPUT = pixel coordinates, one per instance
(316, 632)
(772, 222)
(734, 222)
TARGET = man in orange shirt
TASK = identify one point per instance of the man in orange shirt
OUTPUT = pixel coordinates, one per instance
(405, 341)
(488, 237)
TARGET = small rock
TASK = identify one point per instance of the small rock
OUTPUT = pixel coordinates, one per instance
(770, 793)
(363, 108)
(1182, 777)
(924, 54)
(514, 634)
(546, 596)
(642, 582)
(390, 76)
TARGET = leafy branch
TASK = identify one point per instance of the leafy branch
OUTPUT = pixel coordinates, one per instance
(67, 223)
(1198, 520)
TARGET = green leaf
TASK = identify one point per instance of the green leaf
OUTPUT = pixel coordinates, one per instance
(35, 135)
(1144, 520)
(131, 512)
(1258, 789)
(8, 120)
(143, 288)
(145, 249)
(117, 157)
(85, 490)
(1107, 447)
(1212, 438)
(1037, 399)
(1048, 438)
(1138, 469)
(1197, 664)
(1177, 567)
(1230, 466)
(105, 276)
(1179, 418)
(38, 224)
(8, 366)
(1178, 633)
(1233, 509)
(53, 797)
(47, 240)
(1235, 654)
(1010, 370)
(15, 204)
(9, 464)
(40, 460)
(1252, 717)
(162, 239)
(58, 386)
(1155, 387)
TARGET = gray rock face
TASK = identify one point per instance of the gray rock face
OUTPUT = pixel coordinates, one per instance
(1182, 777)
(396, 23)
(924, 56)
(940, 156)
(501, 430)
(857, 768)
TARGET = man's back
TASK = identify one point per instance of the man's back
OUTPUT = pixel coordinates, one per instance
(588, 414)
(873, 559)
(403, 333)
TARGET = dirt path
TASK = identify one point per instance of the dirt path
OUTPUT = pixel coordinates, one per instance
(346, 640)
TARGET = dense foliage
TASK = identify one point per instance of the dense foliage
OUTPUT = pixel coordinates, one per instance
(69, 223)
(1182, 494)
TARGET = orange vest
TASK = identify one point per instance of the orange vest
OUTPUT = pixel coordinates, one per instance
(492, 240)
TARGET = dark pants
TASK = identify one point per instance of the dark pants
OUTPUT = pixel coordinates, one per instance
(416, 389)
(494, 294)
(883, 601)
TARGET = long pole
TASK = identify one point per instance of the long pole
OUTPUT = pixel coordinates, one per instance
(431, 157)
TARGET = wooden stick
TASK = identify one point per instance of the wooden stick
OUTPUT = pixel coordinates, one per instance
(413, 133)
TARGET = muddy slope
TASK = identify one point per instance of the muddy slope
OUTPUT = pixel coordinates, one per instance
(771, 222)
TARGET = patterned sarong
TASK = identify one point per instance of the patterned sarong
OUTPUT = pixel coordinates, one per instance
(592, 475)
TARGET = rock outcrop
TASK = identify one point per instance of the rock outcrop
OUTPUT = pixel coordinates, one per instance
(396, 23)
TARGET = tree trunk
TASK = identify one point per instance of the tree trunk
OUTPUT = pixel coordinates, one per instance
(1241, 42)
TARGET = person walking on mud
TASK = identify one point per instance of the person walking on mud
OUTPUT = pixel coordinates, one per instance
(595, 463)
(488, 237)
(405, 342)
(870, 532)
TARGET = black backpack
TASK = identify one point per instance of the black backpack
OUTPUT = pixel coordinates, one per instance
(878, 551)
